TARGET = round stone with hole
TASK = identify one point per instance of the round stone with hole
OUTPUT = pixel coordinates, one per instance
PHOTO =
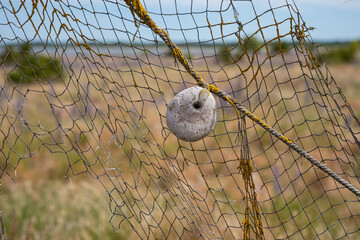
(192, 115)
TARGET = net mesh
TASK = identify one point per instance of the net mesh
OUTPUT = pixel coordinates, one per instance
(89, 83)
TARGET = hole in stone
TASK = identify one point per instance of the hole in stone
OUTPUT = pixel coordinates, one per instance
(197, 105)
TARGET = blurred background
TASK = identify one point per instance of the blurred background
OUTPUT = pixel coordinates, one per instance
(40, 202)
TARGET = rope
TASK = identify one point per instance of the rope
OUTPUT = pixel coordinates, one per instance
(137, 8)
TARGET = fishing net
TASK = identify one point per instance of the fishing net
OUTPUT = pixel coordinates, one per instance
(89, 83)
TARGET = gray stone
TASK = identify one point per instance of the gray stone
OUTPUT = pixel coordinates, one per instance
(192, 115)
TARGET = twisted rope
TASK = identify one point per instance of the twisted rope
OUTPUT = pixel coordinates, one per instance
(137, 8)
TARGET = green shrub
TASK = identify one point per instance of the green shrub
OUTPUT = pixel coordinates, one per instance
(277, 47)
(248, 45)
(224, 54)
(233, 53)
(251, 44)
(343, 54)
(31, 67)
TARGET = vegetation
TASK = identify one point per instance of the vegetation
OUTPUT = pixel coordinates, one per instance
(224, 54)
(251, 44)
(282, 46)
(57, 210)
(29, 66)
(231, 53)
(54, 209)
(343, 53)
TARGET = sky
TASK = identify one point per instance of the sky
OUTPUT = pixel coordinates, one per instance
(333, 20)
(337, 20)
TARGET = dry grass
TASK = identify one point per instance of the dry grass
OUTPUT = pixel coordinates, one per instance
(54, 209)
(43, 206)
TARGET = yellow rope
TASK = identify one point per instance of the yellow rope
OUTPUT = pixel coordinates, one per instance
(136, 8)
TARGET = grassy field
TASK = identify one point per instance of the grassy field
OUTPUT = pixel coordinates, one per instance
(44, 204)
(57, 209)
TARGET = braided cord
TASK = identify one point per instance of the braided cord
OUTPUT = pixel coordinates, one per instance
(137, 8)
